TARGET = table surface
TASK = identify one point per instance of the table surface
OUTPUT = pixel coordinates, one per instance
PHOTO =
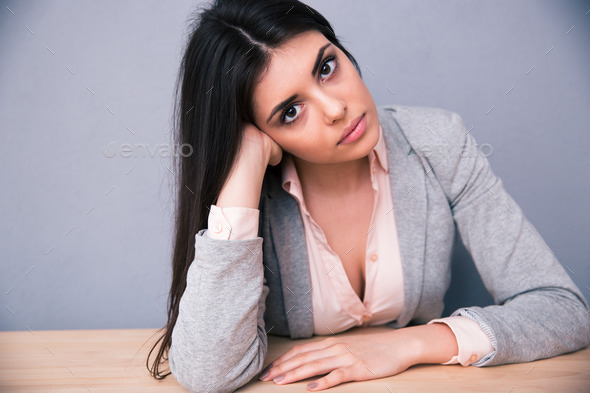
(114, 361)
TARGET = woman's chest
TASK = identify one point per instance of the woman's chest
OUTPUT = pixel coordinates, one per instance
(346, 227)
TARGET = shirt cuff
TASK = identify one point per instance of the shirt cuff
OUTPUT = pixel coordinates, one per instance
(232, 223)
(472, 342)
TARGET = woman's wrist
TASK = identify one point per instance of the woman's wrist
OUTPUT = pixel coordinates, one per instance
(434, 343)
(243, 186)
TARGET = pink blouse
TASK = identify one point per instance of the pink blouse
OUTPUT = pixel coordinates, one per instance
(336, 306)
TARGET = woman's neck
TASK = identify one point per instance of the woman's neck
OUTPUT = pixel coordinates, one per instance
(333, 180)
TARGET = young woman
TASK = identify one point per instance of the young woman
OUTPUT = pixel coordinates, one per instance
(305, 209)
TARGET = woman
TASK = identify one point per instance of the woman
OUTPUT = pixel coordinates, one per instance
(352, 224)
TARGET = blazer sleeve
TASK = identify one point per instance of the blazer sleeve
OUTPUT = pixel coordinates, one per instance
(539, 312)
(219, 342)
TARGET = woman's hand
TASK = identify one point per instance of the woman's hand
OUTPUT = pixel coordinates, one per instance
(363, 357)
(276, 153)
(243, 186)
(355, 358)
(257, 144)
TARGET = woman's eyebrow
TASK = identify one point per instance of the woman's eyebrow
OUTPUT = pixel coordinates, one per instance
(314, 71)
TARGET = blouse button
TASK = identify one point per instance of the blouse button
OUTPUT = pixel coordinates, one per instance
(365, 320)
(374, 257)
(473, 358)
(217, 228)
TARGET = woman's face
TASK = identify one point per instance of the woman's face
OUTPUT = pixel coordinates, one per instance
(330, 95)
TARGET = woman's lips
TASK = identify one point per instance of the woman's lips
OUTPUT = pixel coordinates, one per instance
(356, 132)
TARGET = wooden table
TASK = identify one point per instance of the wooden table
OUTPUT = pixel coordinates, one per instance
(114, 361)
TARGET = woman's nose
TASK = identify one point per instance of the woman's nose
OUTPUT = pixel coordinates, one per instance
(334, 109)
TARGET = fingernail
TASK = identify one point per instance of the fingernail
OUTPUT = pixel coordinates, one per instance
(264, 375)
(279, 378)
(312, 385)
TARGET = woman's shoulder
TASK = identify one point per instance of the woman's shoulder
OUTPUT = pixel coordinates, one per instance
(424, 128)
(424, 112)
(421, 119)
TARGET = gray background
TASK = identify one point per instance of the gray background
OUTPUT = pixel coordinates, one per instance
(86, 237)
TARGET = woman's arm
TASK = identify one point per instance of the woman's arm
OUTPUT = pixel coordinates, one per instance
(539, 312)
(363, 357)
(219, 342)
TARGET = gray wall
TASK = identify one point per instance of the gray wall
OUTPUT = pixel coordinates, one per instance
(85, 233)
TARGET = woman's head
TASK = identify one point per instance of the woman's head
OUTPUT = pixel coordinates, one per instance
(229, 71)
(307, 98)
(232, 52)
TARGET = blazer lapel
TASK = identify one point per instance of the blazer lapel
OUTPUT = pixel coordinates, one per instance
(408, 188)
(286, 227)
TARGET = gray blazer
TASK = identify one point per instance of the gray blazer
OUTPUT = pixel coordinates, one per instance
(239, 291)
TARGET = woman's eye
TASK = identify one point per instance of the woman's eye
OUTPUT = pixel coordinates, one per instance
(328, 67)
(290, 114)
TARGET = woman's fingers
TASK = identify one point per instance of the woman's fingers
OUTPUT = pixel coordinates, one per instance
(307, 364)
(301, 357)
(334, 378)
(302, 348)
(309, 369)
(271, 149)
(276, 153)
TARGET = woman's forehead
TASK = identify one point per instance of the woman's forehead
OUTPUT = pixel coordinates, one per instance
(291, 62)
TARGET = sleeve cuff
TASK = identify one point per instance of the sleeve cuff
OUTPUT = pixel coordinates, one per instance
(232, 223)
(472, 342)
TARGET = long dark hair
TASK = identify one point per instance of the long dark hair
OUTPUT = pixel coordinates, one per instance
(227, 50)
